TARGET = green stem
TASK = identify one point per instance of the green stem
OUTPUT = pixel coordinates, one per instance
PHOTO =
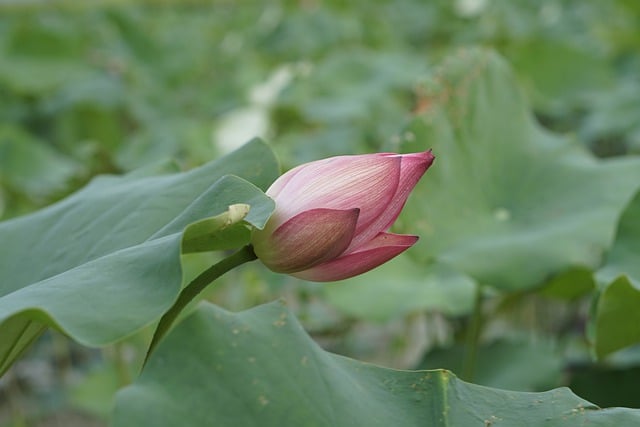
(122, 368)
(473, 338)
(192, 290)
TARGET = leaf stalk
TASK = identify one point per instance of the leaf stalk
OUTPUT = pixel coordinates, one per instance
(197, 285)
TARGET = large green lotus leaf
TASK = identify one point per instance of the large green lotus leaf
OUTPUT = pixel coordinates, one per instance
(260, 368)
(106, 261)
(506, 202)
(400, 287)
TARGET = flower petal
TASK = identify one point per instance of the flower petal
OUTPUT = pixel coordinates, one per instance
(412, 168)
(281, 182)
(377, 251)
(309, 238)
(367, 182)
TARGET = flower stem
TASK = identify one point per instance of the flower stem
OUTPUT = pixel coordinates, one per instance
(122, 368)
(473, 338)
(192, 290)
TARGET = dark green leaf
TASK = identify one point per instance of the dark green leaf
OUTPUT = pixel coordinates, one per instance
(105, 262)
(259, 367)
(607, 386)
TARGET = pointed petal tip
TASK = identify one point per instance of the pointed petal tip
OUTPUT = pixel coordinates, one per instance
(411, 239)
(426, 156)
(418, 162)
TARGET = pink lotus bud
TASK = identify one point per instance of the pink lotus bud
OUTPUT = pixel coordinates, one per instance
(332, 215)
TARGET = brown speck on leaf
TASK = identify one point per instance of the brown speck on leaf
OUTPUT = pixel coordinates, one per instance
(281, 320)
(489, 422)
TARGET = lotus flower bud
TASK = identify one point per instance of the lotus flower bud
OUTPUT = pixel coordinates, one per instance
(332, 215)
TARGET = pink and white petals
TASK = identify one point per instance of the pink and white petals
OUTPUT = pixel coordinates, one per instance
(332, 215)
(380, 250)
(412, 168)
(309, 238)
(346, 182)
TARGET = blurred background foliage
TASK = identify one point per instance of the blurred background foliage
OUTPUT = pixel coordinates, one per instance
(88, 88)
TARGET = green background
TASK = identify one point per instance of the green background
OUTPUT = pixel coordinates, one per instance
(114, 122)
